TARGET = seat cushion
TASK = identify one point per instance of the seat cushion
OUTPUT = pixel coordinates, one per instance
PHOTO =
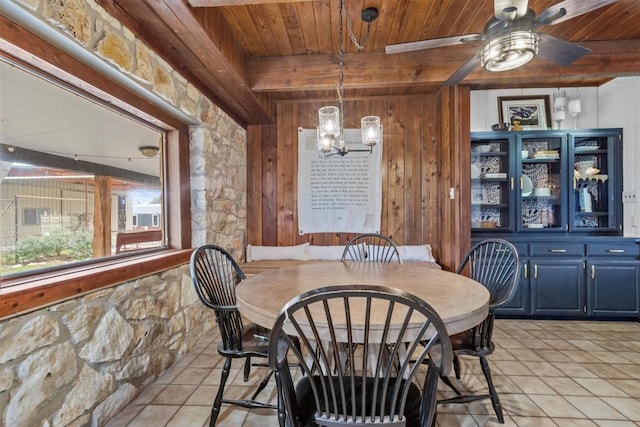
(307, 409)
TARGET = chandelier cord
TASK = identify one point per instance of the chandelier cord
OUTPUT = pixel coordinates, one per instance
(331, 131)
(341, 68)
(344, 12)
(352, 35)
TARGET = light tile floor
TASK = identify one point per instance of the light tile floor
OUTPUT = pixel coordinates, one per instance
(548, 373)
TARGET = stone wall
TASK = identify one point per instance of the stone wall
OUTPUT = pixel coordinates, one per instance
(81, 361)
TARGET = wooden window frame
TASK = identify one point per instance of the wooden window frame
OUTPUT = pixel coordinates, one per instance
(31, 292)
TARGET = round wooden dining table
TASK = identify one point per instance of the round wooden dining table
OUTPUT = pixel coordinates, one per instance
(460, 301)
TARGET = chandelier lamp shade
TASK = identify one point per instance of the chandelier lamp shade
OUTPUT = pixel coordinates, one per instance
(329, 130)
(331, 118)
(509, 45)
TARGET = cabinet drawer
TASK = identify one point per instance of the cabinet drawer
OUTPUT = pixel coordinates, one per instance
(560, 248)
(522, 249)
(613, 248)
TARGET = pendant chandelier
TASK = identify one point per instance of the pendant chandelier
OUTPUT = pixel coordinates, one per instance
(331, 118)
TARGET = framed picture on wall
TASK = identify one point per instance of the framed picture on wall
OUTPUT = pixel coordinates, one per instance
(531, 112)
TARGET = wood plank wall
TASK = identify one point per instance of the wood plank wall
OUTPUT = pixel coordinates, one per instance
(420, 164)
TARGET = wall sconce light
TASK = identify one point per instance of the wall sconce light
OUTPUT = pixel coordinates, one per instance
(559, 108)
(575, 108)
(149, 150)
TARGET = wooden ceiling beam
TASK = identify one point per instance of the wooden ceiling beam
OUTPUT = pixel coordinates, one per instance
(218, 3)
(200, 46)
(608, 59)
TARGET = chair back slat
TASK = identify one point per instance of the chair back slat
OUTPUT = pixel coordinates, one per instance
(495, 264)
(371, 247)
(360, 349)
(215, 275)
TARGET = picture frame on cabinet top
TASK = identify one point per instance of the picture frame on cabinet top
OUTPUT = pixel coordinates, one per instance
(532, 112)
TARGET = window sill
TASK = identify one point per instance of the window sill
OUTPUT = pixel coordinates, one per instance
(22, 295)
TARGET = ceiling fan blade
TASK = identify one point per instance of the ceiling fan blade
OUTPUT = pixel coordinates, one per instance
(560, 51)
(433, 43)
(572, 8)
(500, 5)
(463, 71)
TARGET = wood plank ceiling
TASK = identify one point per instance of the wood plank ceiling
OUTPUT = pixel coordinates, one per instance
(245, 54)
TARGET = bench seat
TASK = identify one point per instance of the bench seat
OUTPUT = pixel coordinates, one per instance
(255, 267)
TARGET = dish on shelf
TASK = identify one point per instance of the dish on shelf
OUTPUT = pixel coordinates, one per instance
(475, 171)
(588, 173)
(527, 186)
(546, 156)
(484, 148)
(583, 149)
(542, 191)
(586, 167)
(495, 175)
(500, 126)
(534, 225)
(587, 143)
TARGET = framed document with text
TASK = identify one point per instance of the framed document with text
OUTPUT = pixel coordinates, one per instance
(338, 194)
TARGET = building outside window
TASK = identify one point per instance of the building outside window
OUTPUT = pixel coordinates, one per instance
(76, 176)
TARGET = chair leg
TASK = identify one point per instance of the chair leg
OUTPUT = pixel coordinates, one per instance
(495, 401)
(215, 410)
(247, 369)
(456, 365)
(448, 382)
(429, 401)
(262, 385)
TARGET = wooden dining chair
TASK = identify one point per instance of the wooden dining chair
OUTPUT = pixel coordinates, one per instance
(495, 264)
(371, 247)
(376, 385)
(215, 275)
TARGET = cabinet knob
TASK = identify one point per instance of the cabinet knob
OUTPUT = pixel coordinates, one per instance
(615, 251)
(557, 251)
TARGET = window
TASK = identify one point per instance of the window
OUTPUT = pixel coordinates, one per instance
(24, 291)
(85, 167)
(31, 216)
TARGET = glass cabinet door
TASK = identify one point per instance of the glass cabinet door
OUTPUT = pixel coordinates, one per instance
(592, 200)
(542, 181)
(491, 182)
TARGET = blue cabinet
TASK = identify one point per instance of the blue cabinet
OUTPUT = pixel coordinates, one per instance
(613, 289)
(544, 182)
(576, 278)
(557, 195)
(557, 278)
(613, 273)
(557, 287)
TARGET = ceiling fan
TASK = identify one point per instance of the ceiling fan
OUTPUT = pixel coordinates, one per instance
(510, 40)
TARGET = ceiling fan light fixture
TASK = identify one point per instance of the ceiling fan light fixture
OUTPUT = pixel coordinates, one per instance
(509, 50)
